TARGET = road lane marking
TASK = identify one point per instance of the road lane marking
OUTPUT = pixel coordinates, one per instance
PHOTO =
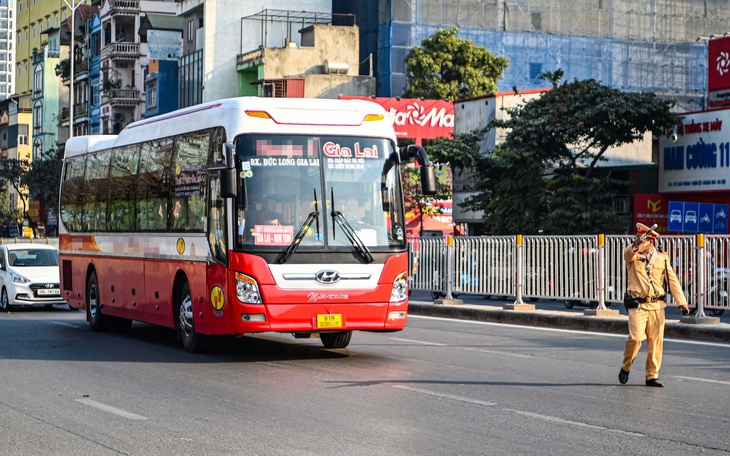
(60, 323)
(495, 352)
(701, 380)
(551, 419)
(110, 409)
(418, 342)
(554, 419)
(569, 331)
(443, 395)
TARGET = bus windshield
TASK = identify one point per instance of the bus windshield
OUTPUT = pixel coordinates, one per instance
(326, 186)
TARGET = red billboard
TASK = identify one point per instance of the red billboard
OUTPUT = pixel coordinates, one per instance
(718, 71)
(651, 208)
(415, 118)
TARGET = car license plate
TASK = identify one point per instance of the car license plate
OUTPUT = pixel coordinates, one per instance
(48, 291)
(329, 321)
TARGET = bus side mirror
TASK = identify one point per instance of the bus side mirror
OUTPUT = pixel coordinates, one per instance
(229, 189)
(428, 180)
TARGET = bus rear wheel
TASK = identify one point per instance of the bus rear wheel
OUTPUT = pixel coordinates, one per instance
(97, 321)
(191, 340)
(339, 339)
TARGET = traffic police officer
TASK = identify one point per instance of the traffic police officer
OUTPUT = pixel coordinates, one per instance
(647, 267)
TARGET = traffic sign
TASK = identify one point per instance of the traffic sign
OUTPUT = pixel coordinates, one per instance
(690, 217)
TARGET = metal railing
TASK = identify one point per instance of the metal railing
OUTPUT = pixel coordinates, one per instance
(572, 268)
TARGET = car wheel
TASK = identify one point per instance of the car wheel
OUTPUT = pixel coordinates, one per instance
(435, 295)
(97, 321)
(4, 301)
(191, 340)
(339, 339)
(569, 304)
(717, 312)
(533, 299)
(593, 304)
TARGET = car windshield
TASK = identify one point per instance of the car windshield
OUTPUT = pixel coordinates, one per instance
(32, 257)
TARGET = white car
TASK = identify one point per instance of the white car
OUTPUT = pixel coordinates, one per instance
(29, 276)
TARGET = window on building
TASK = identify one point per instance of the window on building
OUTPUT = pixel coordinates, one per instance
(23, 131)
(37, 115)
(56, 18)
(37, 149)
(191, 31)
(152, 94)
(38, 78)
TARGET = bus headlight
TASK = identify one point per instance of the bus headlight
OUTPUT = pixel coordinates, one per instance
(400, 288)
(247, 290)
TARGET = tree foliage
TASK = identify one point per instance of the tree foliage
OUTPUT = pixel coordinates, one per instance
(43, 178)
(544, 177)
(446, 67)
(11, 172)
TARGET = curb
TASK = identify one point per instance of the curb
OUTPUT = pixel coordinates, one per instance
(673, 329)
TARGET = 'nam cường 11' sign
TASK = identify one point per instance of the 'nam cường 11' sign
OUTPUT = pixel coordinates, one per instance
(695, 156)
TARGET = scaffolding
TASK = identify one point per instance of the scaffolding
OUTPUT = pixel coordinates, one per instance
(634, 45)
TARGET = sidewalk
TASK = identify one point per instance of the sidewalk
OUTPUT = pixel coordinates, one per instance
(674, 329)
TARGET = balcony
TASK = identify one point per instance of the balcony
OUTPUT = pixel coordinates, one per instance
(120, 6)
(122, 97)
(80, 110)
(121, 51)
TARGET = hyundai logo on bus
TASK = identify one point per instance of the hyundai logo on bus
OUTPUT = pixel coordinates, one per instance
(327, 276)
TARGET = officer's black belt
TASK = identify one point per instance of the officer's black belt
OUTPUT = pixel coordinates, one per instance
(649, 298)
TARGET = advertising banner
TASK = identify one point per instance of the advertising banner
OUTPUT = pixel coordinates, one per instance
(415, 118)
(651, 208)
(718, 71)
(696, 156)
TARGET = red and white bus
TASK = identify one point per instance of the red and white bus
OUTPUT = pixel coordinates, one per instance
(238, 216)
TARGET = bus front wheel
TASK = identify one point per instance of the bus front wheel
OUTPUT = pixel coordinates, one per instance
(339, 339)
(191, 340)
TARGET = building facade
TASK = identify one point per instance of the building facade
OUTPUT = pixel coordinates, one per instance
(655, 46)
(7, 48)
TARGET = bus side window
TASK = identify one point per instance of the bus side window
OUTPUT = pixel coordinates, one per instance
(217, 222)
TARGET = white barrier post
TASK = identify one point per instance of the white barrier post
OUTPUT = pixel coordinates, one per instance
(701, 285)
(449, 266)
(601, 310)
(518, 304)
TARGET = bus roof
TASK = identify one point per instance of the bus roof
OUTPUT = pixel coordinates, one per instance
(286, 115)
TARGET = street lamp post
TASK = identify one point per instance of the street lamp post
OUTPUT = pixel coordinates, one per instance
(72, 6)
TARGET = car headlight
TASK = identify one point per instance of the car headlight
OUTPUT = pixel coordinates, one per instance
(247, 290)
(17, 278)
(400, 288)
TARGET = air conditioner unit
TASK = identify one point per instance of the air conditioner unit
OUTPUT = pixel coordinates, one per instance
(118, 117)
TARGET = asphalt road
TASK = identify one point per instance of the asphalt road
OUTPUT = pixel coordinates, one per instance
(439, 387)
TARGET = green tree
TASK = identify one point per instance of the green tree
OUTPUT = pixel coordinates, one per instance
(43, 178)
(553, 146)
(11, 173)
(445, 67)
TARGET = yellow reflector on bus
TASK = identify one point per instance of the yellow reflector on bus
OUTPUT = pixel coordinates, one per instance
(259, 114)
(373, 117)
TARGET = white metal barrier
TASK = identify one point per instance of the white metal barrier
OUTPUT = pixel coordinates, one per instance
(577, 269)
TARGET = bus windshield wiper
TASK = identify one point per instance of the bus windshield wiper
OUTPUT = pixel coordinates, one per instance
(352, 236)
(303, 230)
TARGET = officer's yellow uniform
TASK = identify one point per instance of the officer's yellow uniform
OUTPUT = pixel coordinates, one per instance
(647, 321)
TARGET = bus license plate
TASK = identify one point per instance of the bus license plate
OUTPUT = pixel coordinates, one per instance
(48, 291)
(329, 321)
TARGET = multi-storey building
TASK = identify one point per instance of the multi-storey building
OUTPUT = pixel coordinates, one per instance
(124, 59)
(7, 48)
(215, 33)
(634, 45)
(37, 85)
(14, 144)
